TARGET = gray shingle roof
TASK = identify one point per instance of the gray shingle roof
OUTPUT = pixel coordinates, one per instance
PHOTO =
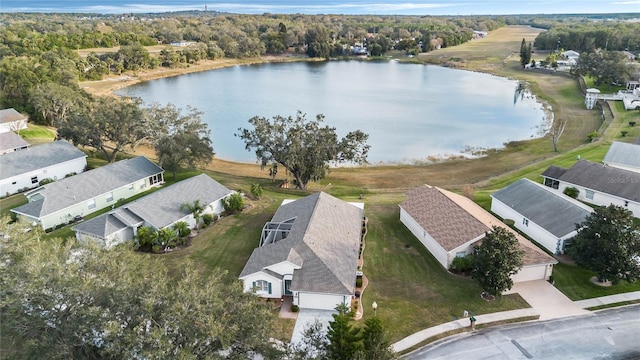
(447, 223)
(610, 180)
(624, 154)
(73, 190)
(37, 157)
(11, 141)
(9, 115)
(160, 208)
(324, 240)
(552, 210)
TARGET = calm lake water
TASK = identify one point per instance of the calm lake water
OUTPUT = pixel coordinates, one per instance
(411, 112)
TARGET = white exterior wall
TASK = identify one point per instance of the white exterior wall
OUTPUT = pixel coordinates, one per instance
(14, 184)
(533, 272)
(13, 125)
(284, 268)
(320, 301)
(533, 230)
(600, 198)
(82, 208)
(112, 240)
(434, 248)
(277, 285)
(466, 248)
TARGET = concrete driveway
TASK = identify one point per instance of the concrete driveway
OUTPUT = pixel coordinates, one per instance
(307, 317)
(547, 300)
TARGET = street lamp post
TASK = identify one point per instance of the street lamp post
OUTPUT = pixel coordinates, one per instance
(375, 307)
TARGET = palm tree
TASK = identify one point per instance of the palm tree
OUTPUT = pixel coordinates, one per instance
(182, 228)
(196, 209)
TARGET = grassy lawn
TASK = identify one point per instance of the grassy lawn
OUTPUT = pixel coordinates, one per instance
(575, 282)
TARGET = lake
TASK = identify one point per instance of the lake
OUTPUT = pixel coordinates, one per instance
(411, 112)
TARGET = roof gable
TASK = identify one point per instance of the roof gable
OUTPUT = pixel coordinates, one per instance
(552, 210)
(37, 157)
(10, 115)
(11, 141)
(446, 222)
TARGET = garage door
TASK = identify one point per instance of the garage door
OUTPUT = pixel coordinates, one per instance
(319, 301)
(530, 273)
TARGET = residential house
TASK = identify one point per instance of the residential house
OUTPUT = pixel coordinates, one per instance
(309, 251)
(546, 216)
(450, 225)
(158, 210)
(598, 184)
(624, 156)
(23, 170)
(10, 142)
(74, 197)
(11, 120)
(569, 58)
(629, 55)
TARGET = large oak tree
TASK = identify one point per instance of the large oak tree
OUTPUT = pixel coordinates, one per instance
(608, 243)
(304, 147)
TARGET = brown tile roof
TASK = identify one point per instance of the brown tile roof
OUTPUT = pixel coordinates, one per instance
(532, 254)
(447, 223)
(453, 220)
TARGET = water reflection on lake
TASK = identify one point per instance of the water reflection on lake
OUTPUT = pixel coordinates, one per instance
(410, 111)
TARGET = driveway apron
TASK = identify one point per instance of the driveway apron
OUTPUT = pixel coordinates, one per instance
(547, 300)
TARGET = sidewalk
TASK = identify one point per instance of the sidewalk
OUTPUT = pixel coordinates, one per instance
(420, 336)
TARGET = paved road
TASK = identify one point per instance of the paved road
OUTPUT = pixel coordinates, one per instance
(608, 334)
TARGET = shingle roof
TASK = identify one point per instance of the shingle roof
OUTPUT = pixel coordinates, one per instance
(11, 141)
(554, 172)
(69, 191)
(552, 210)
(10, 115)
(324, 240)
(160, 208)
(624, 154)
(532, 255)
(447, 223)
(37, 157)
(163, 207)
(607, 179)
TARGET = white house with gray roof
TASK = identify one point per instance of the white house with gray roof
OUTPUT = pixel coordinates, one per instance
(598, 184)
(158, 210)
(308, 251)
(10, 142)
(68, 199)
(624, 156)
(546, 216)
(11, 120)
(23, 170)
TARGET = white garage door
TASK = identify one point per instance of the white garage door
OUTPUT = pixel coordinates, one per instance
(319, 301)
(530, 273)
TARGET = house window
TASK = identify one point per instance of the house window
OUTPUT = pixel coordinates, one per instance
(589, 194)
(461, 254)
(525, 222)
(109, 197)
(551, 183)
(155, 179)
(130, 186)
(34, 180)
(91, 204)
(262, 287)
(143, 185)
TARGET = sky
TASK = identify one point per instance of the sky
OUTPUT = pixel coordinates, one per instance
(375, 7)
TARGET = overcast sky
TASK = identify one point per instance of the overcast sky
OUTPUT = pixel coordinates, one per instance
(410, 7)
